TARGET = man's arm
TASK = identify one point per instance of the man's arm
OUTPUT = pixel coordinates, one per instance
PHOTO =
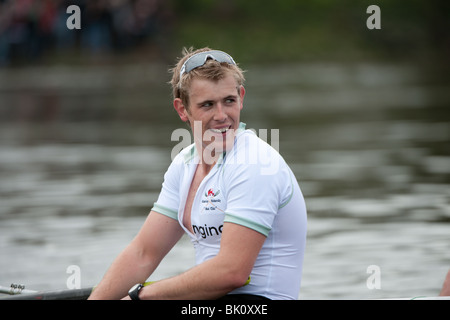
(140, 258)
(216, 277)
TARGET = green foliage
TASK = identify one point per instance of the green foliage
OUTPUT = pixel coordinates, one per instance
(267, 30)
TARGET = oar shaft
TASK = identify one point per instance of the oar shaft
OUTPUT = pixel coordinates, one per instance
(69, 294)
(14, 290)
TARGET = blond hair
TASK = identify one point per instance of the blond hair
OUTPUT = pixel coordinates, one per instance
(211, 70)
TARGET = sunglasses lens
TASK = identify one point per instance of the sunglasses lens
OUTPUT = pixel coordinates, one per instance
(200, 59)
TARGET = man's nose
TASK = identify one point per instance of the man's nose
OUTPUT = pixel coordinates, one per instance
(219, 113)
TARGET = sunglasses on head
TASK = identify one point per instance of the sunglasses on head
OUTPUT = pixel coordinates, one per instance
(199, 59)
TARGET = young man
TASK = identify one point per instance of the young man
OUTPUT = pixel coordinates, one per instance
(232, 193)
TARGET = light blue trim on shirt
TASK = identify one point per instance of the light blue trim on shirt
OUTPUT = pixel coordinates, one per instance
(165, 211)
(189, 153)
(247, 223)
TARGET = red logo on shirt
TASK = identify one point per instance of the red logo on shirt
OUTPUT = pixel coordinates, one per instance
(210, 203)
(211, 193)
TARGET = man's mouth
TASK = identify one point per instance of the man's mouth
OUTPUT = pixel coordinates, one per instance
(221, 130)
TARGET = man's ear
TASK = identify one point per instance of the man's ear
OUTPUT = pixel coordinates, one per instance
(241, 95)
(181, 109)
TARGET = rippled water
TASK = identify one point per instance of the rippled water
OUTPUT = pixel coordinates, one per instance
(83, 152)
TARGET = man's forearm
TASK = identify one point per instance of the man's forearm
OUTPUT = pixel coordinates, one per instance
(128, 269)
(216, 277)
(209, 280)
(140, 258)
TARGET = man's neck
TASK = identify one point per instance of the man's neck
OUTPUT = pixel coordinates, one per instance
(208, 158)
(209, 161)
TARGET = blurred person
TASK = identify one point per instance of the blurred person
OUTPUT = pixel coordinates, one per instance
(133, 21)
(97, 27)
(248, 227)
(26, 29)
(6, 11)
(445, 291)
(31, 28)
(16, 27)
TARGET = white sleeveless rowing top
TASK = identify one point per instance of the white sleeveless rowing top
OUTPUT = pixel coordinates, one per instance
(251, 185)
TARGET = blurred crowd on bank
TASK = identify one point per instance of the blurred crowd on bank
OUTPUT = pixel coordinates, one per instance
(263, 30)
(29, 28)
